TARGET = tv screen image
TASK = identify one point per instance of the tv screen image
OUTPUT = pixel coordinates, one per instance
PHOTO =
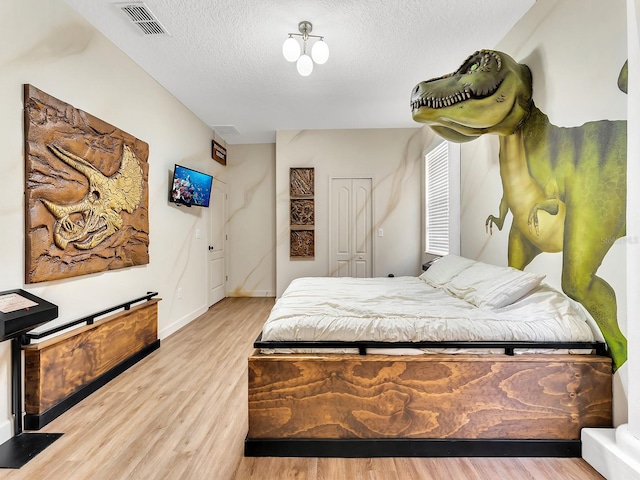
(190, 187)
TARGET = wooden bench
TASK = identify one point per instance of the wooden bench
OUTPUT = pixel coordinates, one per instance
(63, 370)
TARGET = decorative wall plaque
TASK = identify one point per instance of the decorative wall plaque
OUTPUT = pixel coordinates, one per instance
(302, 213)
(301, 182)
(218, 152)
(86, 192)
(302, 244)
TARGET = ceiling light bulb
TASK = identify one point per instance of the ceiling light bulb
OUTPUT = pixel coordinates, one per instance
(291, 49)
(320, 52)
(305, 65)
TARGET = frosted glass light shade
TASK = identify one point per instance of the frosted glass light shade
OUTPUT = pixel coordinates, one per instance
(320, 52)
(304, 65)
(291, 49)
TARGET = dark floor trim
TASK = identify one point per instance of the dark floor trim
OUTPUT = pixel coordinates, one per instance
(20, 449)
(37, 421)
(400, 447)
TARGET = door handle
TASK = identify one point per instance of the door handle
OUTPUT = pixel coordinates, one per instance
(211, 248)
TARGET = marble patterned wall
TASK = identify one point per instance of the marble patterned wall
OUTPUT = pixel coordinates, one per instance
(391, 157)
(251, 210)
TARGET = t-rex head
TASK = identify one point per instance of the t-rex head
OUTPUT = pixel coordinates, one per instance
(489, 93)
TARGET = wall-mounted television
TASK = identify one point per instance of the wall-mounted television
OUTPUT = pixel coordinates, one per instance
(190, 187)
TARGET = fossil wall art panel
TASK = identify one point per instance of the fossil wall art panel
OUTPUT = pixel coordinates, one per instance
(86, 189)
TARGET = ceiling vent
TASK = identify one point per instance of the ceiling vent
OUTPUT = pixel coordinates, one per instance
(225, 129)
(140, 15)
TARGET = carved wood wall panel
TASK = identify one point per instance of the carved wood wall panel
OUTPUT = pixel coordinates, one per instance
(302, 243)
(86, 188)
(302, 182)
(302, 213)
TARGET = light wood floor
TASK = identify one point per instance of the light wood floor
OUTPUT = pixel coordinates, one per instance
(181, 414)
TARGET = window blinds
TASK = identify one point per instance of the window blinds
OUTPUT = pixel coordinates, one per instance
(437, 200)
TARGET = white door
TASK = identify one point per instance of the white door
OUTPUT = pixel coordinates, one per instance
(217, 241)
(351, 243)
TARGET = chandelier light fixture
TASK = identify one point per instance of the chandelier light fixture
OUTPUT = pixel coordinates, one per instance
(293, 53)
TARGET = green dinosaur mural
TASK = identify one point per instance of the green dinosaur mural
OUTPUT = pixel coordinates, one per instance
(565, 186)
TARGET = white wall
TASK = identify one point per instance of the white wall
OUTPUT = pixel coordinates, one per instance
(49, 46)
(391, 157)
(575, 49)
(251, 209)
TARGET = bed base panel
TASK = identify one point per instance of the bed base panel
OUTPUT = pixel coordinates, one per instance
(401, 447)
(425, 400)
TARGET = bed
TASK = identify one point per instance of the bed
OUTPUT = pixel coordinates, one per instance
(469, 359)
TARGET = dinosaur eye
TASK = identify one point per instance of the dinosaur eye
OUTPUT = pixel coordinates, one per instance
(95, 195)
(473, 67)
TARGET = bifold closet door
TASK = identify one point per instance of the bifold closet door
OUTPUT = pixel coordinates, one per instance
(351, 223)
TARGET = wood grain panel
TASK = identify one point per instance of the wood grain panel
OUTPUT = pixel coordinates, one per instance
(56, 368)
(428, 396)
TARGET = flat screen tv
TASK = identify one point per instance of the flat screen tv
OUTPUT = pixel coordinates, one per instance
(190, 187)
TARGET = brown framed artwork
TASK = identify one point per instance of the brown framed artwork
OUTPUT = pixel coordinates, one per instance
(86, 192)
(218, 152)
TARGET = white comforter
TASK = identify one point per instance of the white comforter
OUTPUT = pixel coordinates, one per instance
(408, 309)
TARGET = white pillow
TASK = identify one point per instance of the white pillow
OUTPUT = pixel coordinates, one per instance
(443, 270)
(492, 286)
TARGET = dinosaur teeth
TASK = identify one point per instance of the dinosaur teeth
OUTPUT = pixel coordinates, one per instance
(441, 102)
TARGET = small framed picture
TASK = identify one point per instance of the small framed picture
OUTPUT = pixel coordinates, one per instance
(218, 152)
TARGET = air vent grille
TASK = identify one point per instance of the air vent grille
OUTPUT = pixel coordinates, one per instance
(225, 129)
(141, 16)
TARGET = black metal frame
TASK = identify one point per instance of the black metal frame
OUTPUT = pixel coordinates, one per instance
(88, 320)
(22, 447)
(600, 348)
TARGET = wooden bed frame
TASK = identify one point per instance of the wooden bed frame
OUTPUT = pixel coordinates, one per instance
(425, 405)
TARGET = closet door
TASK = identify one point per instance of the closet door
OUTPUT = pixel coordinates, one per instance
(351, 235)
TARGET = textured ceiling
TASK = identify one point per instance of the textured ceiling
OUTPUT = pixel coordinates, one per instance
(223, 58)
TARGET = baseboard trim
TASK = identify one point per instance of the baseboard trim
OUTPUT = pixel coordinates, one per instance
(401, 447)
(6, 430)
(612, 452)
(251, 293)
(37, 421)
(178, 324)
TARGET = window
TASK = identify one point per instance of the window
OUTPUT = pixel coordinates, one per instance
(442, 199)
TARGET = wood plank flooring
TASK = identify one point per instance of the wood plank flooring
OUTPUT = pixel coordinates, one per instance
(181, 413)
